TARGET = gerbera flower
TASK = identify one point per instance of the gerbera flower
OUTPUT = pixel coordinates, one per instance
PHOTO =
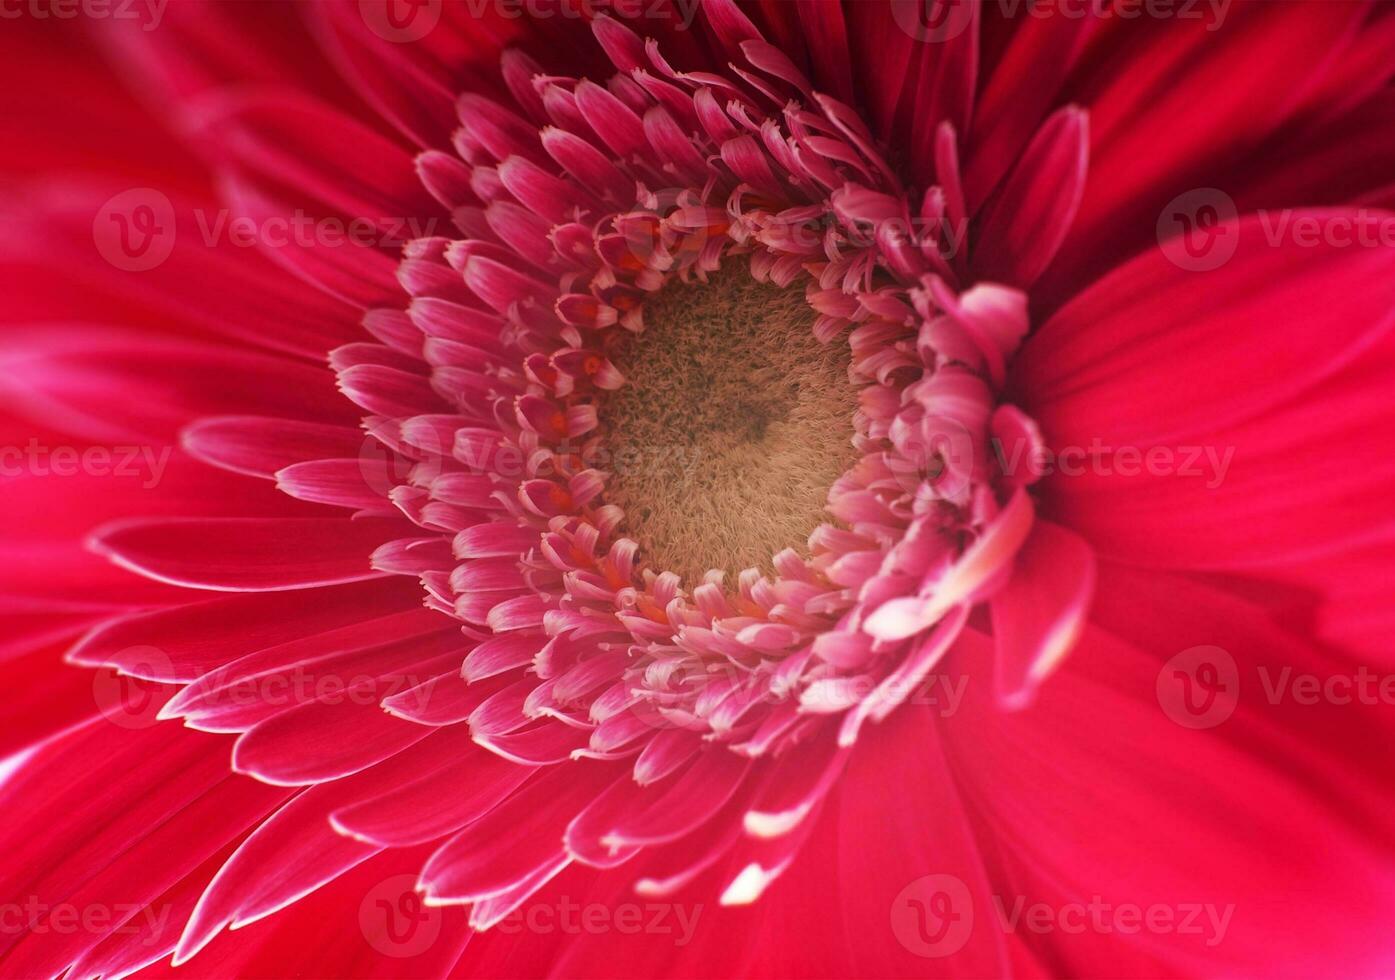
(798, 489)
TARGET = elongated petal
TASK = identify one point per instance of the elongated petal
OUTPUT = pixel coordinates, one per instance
(246, 555)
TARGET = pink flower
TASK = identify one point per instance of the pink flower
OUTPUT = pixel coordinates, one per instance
(806, 489)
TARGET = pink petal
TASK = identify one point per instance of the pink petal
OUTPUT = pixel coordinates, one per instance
(989, 555)
(259, 446)
(245, 554)
(1040, 611)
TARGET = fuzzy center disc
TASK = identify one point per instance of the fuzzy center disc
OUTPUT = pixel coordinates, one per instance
(731, 427)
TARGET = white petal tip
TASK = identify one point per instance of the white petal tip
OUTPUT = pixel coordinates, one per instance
(747, 886)
(770, 825)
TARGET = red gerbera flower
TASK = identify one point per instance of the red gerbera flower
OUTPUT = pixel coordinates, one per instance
(855, 489)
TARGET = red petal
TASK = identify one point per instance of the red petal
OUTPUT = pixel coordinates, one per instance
(259, 446)
(1153, 352)
(1029, 218)
(246, 555)
(1038, 614)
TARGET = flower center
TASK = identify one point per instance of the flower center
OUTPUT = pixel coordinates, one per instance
(733, 424)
